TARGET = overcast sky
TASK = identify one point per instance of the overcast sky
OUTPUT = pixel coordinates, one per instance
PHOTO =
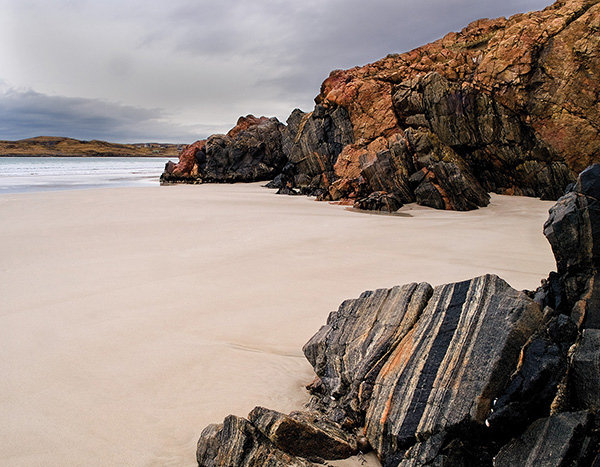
(179, 70)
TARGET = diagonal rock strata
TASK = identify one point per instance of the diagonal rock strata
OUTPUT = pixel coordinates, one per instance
(453, 364)
(348, 352)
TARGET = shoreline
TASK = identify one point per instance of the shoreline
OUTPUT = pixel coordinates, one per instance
(136, 317)
(154, 156)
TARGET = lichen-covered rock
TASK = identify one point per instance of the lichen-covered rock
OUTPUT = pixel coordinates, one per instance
(509, 104)
(238, 443)
(560, 440)
(304, 434)
(514, 98)
(541, 67)
(188, 166)
(447, 371)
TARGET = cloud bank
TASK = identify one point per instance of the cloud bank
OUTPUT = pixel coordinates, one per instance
(27, 113)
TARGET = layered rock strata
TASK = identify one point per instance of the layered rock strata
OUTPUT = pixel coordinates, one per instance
(469, 373)
(505, 105)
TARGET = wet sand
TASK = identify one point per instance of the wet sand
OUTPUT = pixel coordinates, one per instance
(132, 318)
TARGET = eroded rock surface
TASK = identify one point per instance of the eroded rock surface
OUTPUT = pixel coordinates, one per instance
(348, 351)
(236, 442)
(304, 434)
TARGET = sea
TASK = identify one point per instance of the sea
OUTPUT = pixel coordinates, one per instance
(35, 174)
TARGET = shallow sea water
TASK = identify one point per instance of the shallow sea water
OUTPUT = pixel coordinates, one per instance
(34, 174)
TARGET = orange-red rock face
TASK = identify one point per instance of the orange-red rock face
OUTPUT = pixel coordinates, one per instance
(244, 123)
(544, 66)
(187, 159)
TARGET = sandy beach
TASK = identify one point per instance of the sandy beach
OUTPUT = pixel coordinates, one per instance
(132, 318)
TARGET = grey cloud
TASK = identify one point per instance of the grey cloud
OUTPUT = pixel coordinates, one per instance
(24, 114)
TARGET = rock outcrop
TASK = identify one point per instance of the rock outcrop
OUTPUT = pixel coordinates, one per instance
(251, 151)
(505, 105)
(469, 373)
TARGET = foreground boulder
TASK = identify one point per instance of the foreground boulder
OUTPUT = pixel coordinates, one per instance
(304, 434)
(469, 373)
(447, 372)
(270, 438)
(236, 442)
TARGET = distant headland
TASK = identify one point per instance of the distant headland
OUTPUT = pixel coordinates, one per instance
(55, 146)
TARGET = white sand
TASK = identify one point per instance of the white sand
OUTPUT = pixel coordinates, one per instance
(132, 318)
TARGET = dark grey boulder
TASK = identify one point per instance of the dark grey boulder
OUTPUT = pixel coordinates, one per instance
(584, 377)
(379, 201)
(560, 440)
(304, 434)
(238, 443)
(573, 231)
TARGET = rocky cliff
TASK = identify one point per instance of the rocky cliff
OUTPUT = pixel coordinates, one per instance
(505, 105)
(473, 373)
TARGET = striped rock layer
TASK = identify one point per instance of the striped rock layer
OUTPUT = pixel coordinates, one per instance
(349, 350)
(237, 442)
(454, 351)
